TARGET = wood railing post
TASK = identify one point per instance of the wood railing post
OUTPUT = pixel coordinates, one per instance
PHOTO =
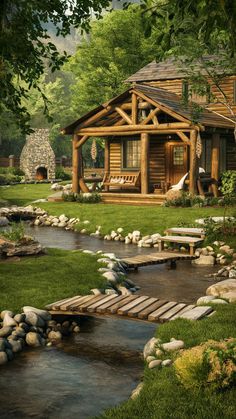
(215, 156)
(75, 165)
(107, 161)
(144, 163)
(193, 169)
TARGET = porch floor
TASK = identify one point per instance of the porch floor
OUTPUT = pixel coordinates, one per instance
(131, 198)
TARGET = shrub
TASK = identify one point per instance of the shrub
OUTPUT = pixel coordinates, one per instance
(69, 196)
(15, 233)
(61, 174)
(184, 200)
(88, 198)
(209, 364)
(217, 230)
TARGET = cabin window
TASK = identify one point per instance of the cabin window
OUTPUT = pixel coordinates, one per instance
(178, 156)
(131, 154)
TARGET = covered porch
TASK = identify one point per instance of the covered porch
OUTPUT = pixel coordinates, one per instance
(150, 143)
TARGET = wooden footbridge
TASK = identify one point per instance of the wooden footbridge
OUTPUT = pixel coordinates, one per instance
(136, 307)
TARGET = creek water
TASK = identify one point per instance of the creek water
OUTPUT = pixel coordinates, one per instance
(99, 367)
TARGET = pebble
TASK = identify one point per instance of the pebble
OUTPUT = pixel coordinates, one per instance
(166, 362)
(154, 364)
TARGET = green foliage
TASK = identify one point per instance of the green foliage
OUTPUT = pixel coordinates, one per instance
(15, 232)
(211, 363)
(228, 187)
(82, 198)
(9, 175)
(62, 174)
(25, 45)
(219, 230)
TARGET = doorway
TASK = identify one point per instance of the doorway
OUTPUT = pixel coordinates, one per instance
(177, 161)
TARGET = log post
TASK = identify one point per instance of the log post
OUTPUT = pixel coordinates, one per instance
(134, 109)
(75, 165)
(215, 156)
(193, 169)
(144, 162)
(107, 161)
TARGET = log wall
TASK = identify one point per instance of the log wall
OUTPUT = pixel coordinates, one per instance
(231, 154)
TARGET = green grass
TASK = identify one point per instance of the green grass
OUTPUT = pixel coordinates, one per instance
(24, 194)
(38, 281)
(163, 397)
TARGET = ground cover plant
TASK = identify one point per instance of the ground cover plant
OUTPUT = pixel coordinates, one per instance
(163, 396)
(38, 281)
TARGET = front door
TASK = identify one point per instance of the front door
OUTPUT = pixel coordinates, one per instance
(177, 162)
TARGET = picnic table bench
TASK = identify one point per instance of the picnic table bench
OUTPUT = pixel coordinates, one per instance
(191, 241)
(185, 231)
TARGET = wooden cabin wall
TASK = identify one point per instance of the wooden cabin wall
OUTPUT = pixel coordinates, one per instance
(174, 86)
(157, 160)
(231, 153)
(115, 155)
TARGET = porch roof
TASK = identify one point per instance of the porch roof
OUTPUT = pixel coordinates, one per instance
(157, 97)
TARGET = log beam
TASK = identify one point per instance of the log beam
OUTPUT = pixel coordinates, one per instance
(134, 111)
(144, 162)
(154, 130)
(193, 170)
(215, 156)
(183, 137)
(75, 165)
(124, 115)
(82, 141)
(151, 115)
(107, 160)
(138, 127)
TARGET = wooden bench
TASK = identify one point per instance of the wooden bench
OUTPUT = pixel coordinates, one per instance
(122, 180)
(185, 231)
(191, 241)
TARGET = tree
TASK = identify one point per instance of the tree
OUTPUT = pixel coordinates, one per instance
(25, 45)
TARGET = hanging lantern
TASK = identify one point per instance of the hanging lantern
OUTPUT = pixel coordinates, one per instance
(94, 150)
(199, 145)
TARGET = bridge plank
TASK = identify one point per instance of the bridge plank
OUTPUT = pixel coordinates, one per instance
(135, 310)
(83, 307)
(57, 303)
(170, 313)
(81, 300)
(93, 307)
(157, 313)
(144, 313)
(68, 302)
(197, 313)
(187, 308)
(113, 309)
(103, 308)
(124, 310)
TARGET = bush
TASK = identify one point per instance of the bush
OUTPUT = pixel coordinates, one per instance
(211, 363)
(185, 200)
(15, 233)
(69, 196)
(61, 174)
(83, 198)
(217, 230)
(9, 175)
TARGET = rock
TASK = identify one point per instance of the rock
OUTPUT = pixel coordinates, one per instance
(166, 362)
(110, 276)
(124, 290)
(19, 332)
(226, 249)
(120, 230)
(33, 339)
(205, 299)
(150, 347)
(222, 287)
(76, 329)
(230, 296)
(110, 291)
(210, 249)
(150, 358)
(2, 344)
(54, 336)
(19, 318)
(154, 364)
(135, 393)
(16, 345)
(4, 221)
(96, 291)
(10, 313)
(3, 358)
(44, 314)
(232, 273)
(218, 301)
(8, 321)
(204, 260)
(34, 320)
(173, 346)
(159, 352)
(10, 355)
(83, 231)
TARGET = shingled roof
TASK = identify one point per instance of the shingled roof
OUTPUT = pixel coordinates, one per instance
(167, 70)
(160, 97)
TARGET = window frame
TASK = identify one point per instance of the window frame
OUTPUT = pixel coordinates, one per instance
(124, 155)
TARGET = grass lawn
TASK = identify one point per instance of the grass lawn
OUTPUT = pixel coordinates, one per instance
(163, 397)
(24, 194)
(37, 281)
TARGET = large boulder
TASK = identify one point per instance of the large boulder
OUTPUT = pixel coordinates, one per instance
(44, 314)
(222, 287)
(204, 260)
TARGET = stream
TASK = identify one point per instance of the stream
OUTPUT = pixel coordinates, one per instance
(99, 367)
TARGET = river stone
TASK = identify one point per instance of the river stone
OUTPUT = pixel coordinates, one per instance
(4, 221)
(34, 320)
(10, 313)
(110, 276)
(44, 314)
(154, 364)
(3, 358)
(33, 339)
(204, 260)
(166, 362)
(10, 355)
(2, 344)
(175, 345)
(205, 299)
(19, 331)
(230, 296)
(19, 318)
(54, 336)
(136, 391)
(8, 321)
(150, 358)
(219, 301)
(16, 345)
(232, 273)
(76, 329)
(150, 347)
(222, 287)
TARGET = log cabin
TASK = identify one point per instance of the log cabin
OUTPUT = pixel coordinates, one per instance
(151, 138)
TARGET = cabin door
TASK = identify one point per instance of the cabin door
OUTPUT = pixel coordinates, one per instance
(177, 162)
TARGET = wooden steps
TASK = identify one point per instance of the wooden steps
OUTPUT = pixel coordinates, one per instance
(155, 258)
(132, 198)
(136, 307)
